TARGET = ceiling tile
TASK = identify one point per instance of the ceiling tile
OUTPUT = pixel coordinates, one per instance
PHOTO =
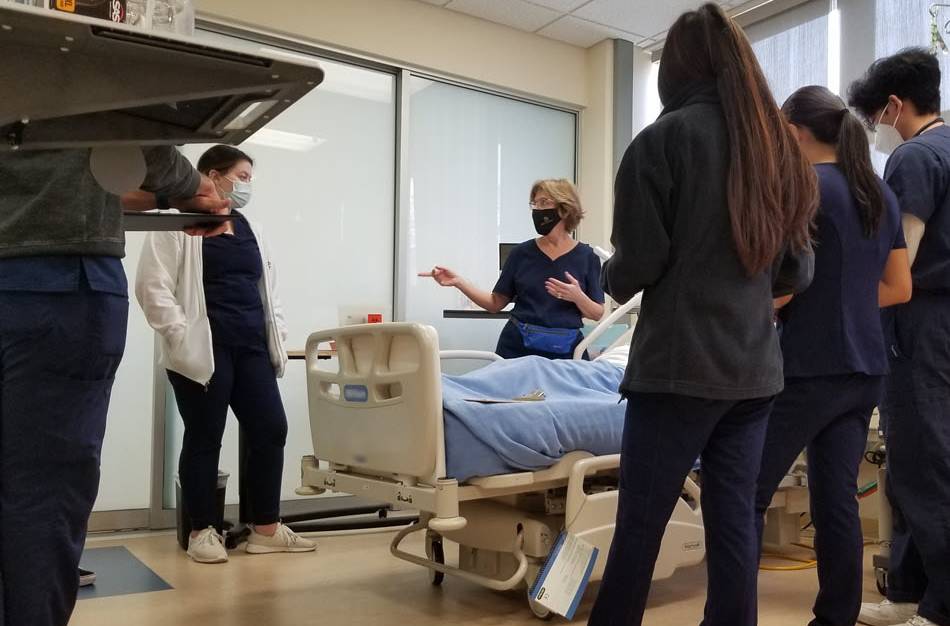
(583, 33)
(564, 6)
(637, 16)
(516, 13)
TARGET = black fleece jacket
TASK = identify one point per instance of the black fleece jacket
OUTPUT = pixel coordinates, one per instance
(705, 327)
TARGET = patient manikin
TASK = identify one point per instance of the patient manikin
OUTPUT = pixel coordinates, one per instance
(489, 430)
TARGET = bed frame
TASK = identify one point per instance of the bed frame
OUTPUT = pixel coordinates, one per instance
(377, 427)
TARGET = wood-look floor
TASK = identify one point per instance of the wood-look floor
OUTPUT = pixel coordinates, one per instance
(353, 580)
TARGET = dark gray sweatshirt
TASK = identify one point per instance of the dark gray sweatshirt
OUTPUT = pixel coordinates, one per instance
(50, 204)
(705, 327)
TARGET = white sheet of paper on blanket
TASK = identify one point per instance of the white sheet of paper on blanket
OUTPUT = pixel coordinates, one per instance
(561, 583)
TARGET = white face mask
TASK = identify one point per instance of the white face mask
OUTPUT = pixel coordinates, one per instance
(240, 194)
(886, 137)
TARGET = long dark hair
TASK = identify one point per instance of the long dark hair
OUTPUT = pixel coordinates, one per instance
(221, 158)
(772, 189)
(830, 121)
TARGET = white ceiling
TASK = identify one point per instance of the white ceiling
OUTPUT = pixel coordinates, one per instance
(584, 23)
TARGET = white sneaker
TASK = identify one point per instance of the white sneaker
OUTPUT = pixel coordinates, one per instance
(917, 620)
(888, 613)
(207, 547)
(283, 540)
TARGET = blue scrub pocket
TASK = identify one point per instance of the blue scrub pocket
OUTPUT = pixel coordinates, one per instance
(544, 339)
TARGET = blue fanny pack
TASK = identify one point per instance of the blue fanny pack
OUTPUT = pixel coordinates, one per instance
(544, 339)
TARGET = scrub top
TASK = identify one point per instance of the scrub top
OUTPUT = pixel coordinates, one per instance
(834, 327)
(525, 272)
(232, 273)
(919, 173)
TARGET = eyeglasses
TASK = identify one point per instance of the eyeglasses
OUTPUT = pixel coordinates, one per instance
(543, 204)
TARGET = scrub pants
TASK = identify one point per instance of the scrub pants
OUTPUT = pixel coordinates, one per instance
(917, 409)
(830, 416)
(663, 436)
(58, 356)
(511, 345)
(244, 380)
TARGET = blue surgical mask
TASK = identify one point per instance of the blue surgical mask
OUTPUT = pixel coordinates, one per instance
(240, 195)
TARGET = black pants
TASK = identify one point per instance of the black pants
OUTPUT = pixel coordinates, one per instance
(244, 380)
(916, 410)
(830, 416)
(663, 436)
(58, 356)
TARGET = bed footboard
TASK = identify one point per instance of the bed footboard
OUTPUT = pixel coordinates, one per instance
(380, 412)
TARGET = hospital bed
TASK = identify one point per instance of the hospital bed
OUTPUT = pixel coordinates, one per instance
(378, 432)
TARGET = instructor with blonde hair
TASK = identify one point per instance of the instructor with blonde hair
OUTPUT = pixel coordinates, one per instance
(554, 280)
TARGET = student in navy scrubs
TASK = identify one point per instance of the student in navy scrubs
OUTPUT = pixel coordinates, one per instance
(712, 212)
(833, 344)
(215, 304)
(553, 280)
(901, 95)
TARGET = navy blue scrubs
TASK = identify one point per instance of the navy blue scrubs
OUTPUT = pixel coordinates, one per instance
(522, 279)
(916, 405)
(834, 362)
(243, 379)
(62, 335)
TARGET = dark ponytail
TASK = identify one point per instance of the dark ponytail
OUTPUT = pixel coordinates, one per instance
(829, 120)
(772, 189)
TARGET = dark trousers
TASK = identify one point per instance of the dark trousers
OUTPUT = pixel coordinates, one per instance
(829, 416)
(244, 380)
(916, 407)
(663, 436)
(58, 356)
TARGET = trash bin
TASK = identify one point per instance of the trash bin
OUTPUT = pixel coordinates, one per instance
(183, 519)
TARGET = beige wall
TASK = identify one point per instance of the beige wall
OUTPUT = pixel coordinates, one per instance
(414, 34)
(596, 147)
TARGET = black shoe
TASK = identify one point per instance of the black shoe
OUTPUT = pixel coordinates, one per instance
(86, 577)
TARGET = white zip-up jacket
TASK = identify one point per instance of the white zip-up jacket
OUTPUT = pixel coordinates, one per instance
(169, 286)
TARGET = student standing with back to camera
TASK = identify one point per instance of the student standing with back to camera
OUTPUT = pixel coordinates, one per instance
(833, 344)
(714, 203)
(900, 95)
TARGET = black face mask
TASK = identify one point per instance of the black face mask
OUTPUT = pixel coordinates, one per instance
(545, 220)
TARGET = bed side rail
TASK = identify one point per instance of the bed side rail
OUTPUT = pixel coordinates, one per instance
(606, 322)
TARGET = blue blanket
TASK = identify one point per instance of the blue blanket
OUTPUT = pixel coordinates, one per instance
(582, 411)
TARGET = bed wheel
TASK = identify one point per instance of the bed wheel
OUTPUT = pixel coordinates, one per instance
(534, 570)
(539, 611)
(880, 577)
(436, 554)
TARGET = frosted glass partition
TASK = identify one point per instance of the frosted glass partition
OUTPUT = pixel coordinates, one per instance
(473, 157)
(794, 54)
(324, 192)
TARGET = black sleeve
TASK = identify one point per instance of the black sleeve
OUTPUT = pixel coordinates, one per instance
(169, 173)
(793, 272)
(641, 200)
